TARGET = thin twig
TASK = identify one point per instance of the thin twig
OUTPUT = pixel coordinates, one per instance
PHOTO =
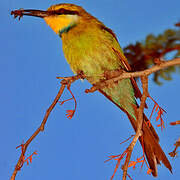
(177, 144)
(144, 80)
(65, 82)
(175, 123)
(175, 152)
(41, 128)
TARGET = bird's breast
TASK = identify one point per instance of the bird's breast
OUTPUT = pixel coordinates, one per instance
(89, 52)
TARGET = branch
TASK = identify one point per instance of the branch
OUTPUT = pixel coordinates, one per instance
(65, 82)
(144, 80)
(114, 76)
(175, 123)
(121, 74)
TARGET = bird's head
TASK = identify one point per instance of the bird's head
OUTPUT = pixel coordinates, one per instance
(61, 17)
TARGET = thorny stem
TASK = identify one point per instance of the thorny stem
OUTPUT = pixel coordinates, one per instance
(144, 80)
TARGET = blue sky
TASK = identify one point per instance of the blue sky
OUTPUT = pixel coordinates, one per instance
(31, 57)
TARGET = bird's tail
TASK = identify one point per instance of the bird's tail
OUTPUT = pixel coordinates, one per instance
(122, 96)
(151, 147)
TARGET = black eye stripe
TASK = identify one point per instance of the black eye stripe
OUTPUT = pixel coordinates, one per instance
(63, 11)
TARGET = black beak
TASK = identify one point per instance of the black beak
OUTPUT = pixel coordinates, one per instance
(30, 12)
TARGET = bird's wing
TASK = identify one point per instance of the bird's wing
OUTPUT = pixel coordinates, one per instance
(125, 63)
(119, 52)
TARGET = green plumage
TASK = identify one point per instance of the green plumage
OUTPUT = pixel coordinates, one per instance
(89, 48)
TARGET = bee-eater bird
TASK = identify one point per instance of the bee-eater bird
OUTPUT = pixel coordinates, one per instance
(92, 48)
